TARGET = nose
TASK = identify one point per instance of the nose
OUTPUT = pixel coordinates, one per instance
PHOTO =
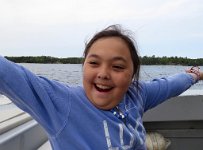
(104, 73)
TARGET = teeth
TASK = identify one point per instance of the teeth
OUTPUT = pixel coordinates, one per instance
(103, 87)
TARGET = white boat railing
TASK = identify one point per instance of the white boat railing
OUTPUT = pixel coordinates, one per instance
(21, 133)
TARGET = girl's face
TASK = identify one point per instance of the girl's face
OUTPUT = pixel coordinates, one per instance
(107, 72)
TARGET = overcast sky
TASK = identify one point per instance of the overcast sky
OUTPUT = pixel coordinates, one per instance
(60, 28)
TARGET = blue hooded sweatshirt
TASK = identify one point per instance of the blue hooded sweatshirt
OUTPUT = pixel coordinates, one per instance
(72, 122)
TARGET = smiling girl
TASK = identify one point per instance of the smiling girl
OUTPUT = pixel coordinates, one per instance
(106, 112)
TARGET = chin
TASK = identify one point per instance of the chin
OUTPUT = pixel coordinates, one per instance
(104, 106)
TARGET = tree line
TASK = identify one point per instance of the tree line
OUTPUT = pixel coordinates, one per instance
(145, 60)
(45, 60)
(153, 60)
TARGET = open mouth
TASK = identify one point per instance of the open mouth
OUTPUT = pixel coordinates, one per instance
(103, 88)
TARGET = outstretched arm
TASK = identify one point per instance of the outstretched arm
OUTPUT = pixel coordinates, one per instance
(36, 95)
(159, 90)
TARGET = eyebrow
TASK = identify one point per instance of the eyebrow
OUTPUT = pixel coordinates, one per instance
(93, 55)
(116, 58)
(119, 58)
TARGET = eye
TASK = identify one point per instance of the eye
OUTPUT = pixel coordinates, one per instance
(93, 63)
(118, 67)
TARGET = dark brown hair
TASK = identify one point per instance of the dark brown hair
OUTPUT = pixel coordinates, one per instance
(117, 31)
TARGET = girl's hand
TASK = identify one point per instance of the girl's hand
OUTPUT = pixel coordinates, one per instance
(201, 75)
(195, 72)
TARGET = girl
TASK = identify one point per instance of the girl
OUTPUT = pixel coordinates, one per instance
(106, 112)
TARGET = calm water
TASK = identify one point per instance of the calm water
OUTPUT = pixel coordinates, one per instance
(72, 73)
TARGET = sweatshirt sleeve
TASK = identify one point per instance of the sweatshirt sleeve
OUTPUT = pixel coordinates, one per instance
(45, 100)
(159, 90)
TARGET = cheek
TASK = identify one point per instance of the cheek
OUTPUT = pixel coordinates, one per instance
(85, 70)
(127, 82)
(88, 74)
(129, 78)
(85, 76)
(124, 80)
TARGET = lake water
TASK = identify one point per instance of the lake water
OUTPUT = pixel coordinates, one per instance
(72, 73)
